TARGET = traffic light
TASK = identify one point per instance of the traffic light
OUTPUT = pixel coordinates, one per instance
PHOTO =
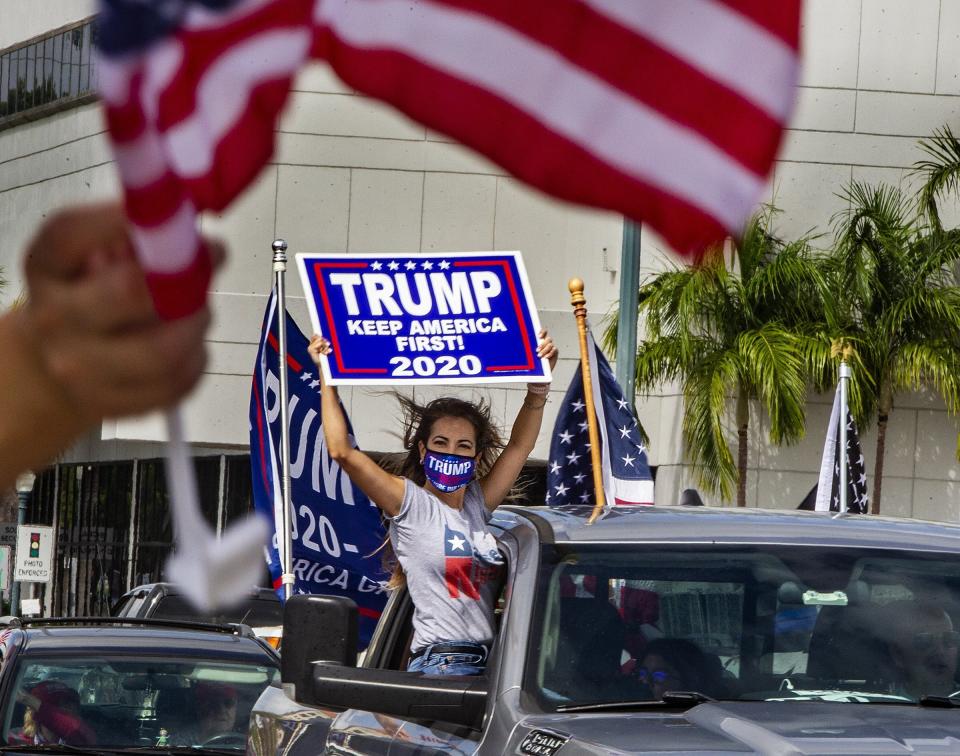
(34, 545)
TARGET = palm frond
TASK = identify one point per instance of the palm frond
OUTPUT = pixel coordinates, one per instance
(940, 171)
(770, 359)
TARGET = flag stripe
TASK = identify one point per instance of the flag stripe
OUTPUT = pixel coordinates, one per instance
(668, 83)
(487, 55)
(714, 38)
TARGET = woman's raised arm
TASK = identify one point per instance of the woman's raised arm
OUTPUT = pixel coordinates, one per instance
(498, 482)
(383, 489)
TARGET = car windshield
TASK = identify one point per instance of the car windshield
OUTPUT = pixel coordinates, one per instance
(637, 623)
(122, 702)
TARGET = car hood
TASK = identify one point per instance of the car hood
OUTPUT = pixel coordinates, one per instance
(787, 729)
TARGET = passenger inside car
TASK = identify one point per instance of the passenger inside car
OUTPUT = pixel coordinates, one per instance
(676, 664)
(923, 648)
(216, 709)
(52, 715)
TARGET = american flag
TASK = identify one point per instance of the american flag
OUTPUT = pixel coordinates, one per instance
(668, 111)
(828, 488)
(623, 456)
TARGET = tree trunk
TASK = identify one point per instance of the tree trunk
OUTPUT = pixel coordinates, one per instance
(878, 464)
(883, 414)
(743, 422)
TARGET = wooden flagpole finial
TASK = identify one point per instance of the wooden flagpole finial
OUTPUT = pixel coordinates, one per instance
(579, 303)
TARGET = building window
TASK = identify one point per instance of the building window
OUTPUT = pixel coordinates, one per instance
(47, 74)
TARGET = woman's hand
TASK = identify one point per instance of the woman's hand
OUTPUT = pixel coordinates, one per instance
(547, 349)
(318, 347)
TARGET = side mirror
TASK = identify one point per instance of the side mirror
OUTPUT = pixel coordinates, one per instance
(316, 628)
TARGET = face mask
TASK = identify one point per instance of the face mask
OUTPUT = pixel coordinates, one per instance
(448, 472)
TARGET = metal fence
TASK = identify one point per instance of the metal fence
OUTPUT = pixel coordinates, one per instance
(48, 73)
(112, 527)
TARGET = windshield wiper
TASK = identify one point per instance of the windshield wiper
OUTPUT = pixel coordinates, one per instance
(680, 699)
(939, 702)
(49, 748)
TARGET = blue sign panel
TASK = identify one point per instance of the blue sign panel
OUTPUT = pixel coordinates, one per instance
(426, 318)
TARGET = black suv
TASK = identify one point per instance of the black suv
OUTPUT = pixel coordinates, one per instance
(108, 685)
(261, 608)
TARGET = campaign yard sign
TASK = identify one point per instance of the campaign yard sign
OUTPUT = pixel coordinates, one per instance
(465, 317)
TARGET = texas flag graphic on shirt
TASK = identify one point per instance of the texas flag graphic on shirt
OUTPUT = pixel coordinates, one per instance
(458, 564)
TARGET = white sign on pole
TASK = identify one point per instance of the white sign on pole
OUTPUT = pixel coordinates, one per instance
(5, 552)
(33, 562)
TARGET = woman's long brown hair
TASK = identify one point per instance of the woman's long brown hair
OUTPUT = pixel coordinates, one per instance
(418, 420)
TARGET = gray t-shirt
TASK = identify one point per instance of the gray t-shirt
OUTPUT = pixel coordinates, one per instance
(452, 564)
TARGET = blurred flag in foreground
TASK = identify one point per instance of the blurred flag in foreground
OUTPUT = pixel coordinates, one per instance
(626, 474)
(668, 111)
(335, 527)
(828, 489)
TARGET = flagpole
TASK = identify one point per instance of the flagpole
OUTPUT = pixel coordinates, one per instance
(279, 270)
(844, 459)
(579, 303)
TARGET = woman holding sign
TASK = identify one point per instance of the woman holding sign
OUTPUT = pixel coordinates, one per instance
(453, 478)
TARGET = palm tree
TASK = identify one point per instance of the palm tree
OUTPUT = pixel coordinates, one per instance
(892, 278)
(747, 335)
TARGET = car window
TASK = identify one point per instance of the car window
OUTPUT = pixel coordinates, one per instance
(629, 624)
(129, 606)
(122, 702)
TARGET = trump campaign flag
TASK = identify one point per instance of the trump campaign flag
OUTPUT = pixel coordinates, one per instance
(336, 528)
(668, 111)
(626, 474)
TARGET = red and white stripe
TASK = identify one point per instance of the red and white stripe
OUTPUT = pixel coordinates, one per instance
(668, 111)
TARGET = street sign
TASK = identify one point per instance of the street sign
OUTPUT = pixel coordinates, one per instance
(8, 533)
(33, 562)
(436, 318)
(5, 552)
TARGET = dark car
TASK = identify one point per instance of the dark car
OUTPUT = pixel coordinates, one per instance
(109, 685)
(655, 630)
(261, 608)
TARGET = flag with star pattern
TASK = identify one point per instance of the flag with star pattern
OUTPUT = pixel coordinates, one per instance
(626, 474)
(828, 488)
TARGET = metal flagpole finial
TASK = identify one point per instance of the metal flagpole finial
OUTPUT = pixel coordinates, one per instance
(279, 247)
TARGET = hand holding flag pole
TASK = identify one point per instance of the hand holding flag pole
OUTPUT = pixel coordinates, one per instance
(579, 303)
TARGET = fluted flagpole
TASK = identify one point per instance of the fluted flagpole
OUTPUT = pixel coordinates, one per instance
(579, 303)
(279, 270)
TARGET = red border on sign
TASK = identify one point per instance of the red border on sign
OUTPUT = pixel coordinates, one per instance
(508, 274)
(318, 272)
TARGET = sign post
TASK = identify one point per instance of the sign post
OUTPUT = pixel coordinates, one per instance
(437, 318)
(34, 557)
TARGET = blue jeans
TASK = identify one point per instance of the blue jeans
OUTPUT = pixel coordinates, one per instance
(470, 659)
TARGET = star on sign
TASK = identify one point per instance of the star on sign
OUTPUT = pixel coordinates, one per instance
(426, 265)
(565, 437)
(456, 543)
(561, 489)
(410, 265)
(624, 431)
(376, 265)
(554, 467)
(573, 457)
(628, 460)
(578, 406)
(443, 265)
(621, 403)
(393, 265)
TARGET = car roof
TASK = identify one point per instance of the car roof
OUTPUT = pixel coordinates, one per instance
(684, 524)
(141, 640)
(172, 589)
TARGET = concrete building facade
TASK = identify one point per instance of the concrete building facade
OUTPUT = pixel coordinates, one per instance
(352, 175)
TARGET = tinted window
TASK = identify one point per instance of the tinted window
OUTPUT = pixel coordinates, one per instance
(745, 623)
(127, 702)
(255, 612)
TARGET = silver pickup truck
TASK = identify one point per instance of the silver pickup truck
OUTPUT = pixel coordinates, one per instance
(656, 630)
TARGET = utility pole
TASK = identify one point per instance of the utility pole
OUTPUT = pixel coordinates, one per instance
(25, 483)
(626, 355)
